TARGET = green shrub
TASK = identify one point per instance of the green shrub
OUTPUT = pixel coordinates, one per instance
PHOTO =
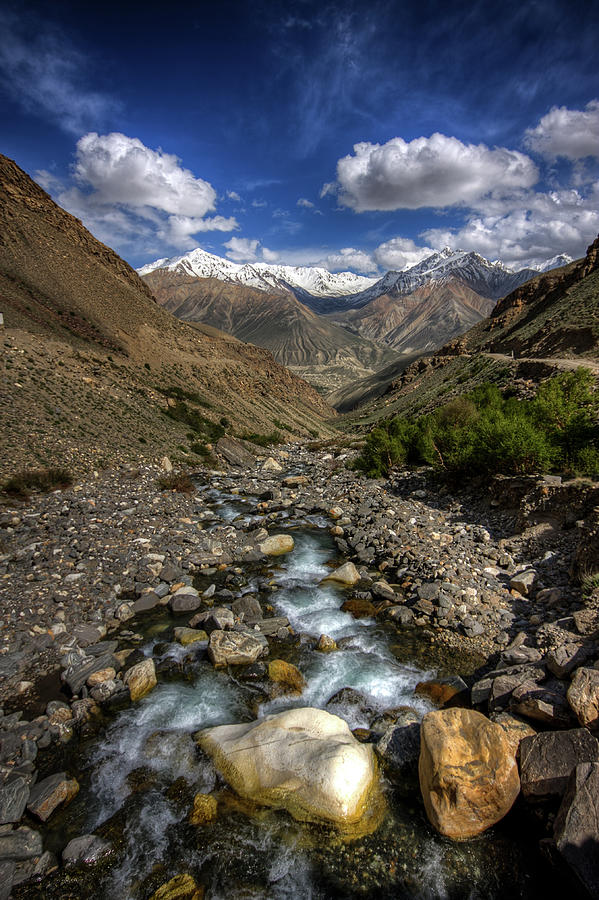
(183, 413)
(37, 480)
(262, 440)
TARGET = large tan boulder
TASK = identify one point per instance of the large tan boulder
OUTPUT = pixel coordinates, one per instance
(303, 760)
(141, 679)
(347, 574)
(277, 544)
(468, 773)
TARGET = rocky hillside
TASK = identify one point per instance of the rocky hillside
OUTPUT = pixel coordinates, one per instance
(274, 319)
(90, 359)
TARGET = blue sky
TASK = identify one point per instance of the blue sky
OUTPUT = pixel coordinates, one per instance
(358, 135)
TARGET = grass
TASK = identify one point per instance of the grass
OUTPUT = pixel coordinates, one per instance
(29, 481)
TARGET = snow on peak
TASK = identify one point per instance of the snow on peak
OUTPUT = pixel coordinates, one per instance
(312, 280)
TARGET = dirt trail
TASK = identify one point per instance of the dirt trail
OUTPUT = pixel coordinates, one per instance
(567, 365)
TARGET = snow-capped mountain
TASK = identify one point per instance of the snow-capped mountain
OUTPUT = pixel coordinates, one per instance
(555, 262)
(311, 280)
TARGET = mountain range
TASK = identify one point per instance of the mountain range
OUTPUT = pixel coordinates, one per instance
(334, 329)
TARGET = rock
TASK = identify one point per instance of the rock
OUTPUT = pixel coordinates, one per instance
(346, 574)
(566, 658)
(548, 759)
(335, 512)
(50, 793)
(287, 674)
(326, 644)
(576, 827)
(468, 775)
(516, 730)
(204, 811)
(443, 691)
(216, 619)
(384, 591)
(76, 675)
(277, 544)
(182, 887)
(583, 697)
(186, 636)
(140, 679)
(13, 799)
(295, 480)
(523, 581)
(147, 601)
(304, 760)
(234, 452)
(247, 609)
(186, 599)
(542, 704)
(399, 746)
(36, 867)
(232, 648)
(88, 849)
(358, 608)
(101, 675)
(166, 465)
(22, 843)
(271, 465)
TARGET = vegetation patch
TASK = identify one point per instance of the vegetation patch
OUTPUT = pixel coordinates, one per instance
(37, 480)
(178, 393)
(176, 481)
(185, 414)
(263, 440)
(487, 432)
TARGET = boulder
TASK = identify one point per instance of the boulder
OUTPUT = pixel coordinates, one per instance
(516, 730)
(141, 679)
(399, 746)
(271, 465)
(87, 849)
(50, 793)
(326, 644)
(303, 760)
(548, 759)
(347, 574)
(277, 544)
(523, 581)
(247, 609)
(566, 658)
(216, 619)
(286, 674)
(204, 810)
(233, 648)
(186, 636)
(449, 691)
(186, 599)
(468, 774)
(234, 452)
(576, 827)
(583, 697)
(181, 887)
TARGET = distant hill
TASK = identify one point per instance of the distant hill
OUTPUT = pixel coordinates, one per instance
(89, 356)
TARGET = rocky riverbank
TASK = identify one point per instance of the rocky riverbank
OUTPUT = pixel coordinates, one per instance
(483, 579)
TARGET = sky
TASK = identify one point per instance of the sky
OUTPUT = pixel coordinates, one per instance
(356, 135)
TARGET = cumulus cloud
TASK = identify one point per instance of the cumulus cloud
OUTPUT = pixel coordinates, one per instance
(129, 195)
(243, 250)
(349, 258)
(400, 253)
(43, 72)
(233, 195)
(428, 172)
(545, 225)
(307, 204)
(569, 133)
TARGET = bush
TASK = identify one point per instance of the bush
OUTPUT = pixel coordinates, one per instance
(176, 482)
(37, 480)
(487, 432)
(181, 412)
(262, 440)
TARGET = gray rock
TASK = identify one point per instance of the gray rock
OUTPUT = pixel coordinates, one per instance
(216, 619)
(248, 609)
(36, 867)
(13, 799)
(7, 874)
(234, 452)
(541, 703)
(77, 674)
(566, 658)
(87, 849)
(186, 599)
(147, 601)
(399, 746)
(576, 827)
(23, 843)
(523, 582)
(548, 759)
(230, 648)
(88, 634)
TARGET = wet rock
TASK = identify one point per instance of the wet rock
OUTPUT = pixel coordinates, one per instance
(216, 619)
(583, 697)
(399, 746)
(23, 843)
(468, 775)
(277, 545)
(346, 574)
(444, 691)
(76, 675)
(576, 827)
(304, 760)
(140, 679)
(247, 609)
(326, 644)
(359, 608)
(47, 795)
(231, 648)
(204, 810)
(14, 795)
(36, 867)
(87, 849)
(186, 636)
(181, 887)
(548, 759)
(284, 673)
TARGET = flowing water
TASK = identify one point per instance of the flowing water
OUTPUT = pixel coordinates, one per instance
(140, 774)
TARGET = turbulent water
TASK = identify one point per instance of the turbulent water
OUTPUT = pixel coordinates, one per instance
(145, 769)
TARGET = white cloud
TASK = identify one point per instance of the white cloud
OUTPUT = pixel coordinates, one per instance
(542, 226)
(233, 195)
(259, 204)
(428, 172)
(570, 133)
(307, 204)
(179, 230)
(349, 258)
(42, 71)
(243, 250)
(400, 253)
